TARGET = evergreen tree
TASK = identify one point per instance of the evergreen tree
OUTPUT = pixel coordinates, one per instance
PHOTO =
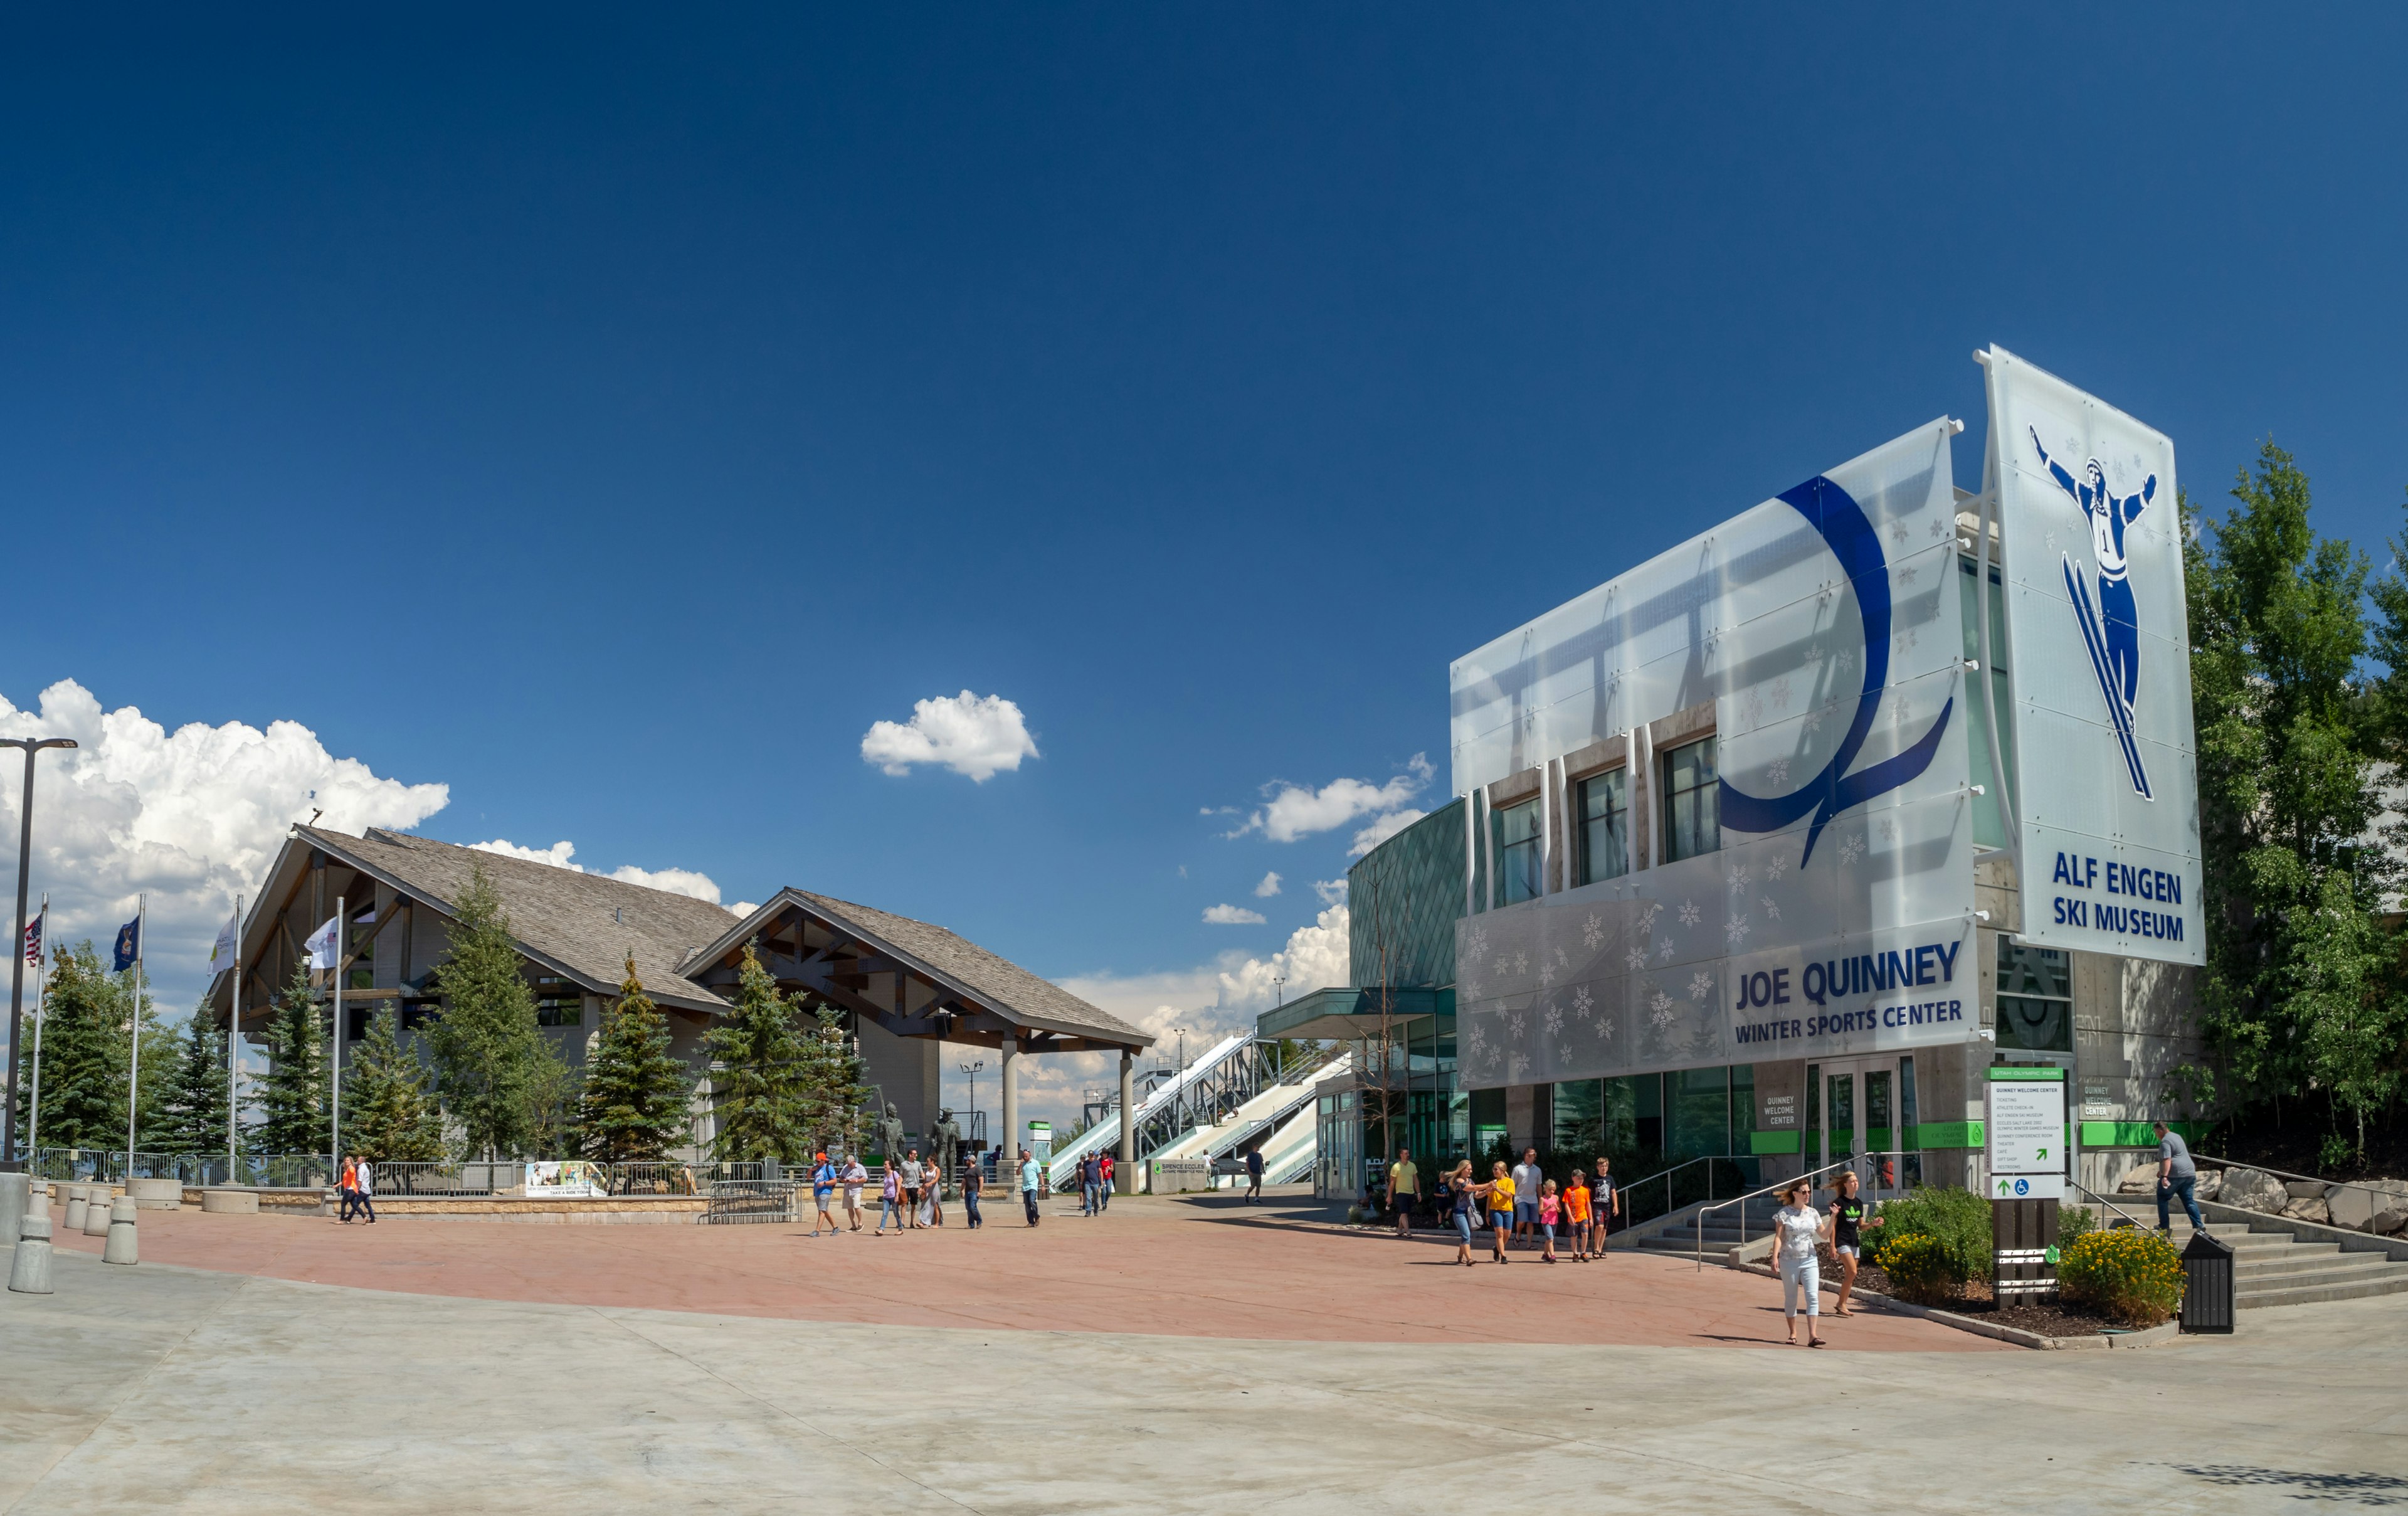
(490, 1056)
(839, 1087)
(637, 1093)
(2297, 991)
(155, 1079)
(760, 1074)
(390, 1116)
(192, 1117)
(292, 1097)
(81, 1076)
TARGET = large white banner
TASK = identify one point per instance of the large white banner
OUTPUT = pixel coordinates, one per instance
(2099, 653)
(1837, 916)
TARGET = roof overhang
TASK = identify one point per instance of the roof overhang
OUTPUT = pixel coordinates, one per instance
(1343, 1012)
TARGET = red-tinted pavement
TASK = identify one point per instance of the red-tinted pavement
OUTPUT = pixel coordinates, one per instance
(1200, 1267)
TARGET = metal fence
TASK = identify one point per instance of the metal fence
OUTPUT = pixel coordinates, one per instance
(740, 1201)
(250, 1170)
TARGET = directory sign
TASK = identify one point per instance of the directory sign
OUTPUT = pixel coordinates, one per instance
(2026, 1123)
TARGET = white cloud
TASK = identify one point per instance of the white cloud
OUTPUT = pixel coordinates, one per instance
(1381, 830)
(559, 854)
(972, 735)
(1315, 957)
(1232, 915)
(1268, 888)
(1295, 811)
(189, 818)
(1332, 891)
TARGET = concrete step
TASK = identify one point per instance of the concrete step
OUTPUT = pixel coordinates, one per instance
(2325, 1266)
(2391, 1281)
(2254, 1265)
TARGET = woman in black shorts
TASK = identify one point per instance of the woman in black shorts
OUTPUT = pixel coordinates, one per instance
(1849, 1212)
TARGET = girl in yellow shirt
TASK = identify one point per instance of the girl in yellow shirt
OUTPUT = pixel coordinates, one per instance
(1499, 1193)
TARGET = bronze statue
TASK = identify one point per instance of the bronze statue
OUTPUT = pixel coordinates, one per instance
(945, 1148)
(889, 1129)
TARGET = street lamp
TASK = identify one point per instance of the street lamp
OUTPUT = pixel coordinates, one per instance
(10, 1161)
(972, 1069)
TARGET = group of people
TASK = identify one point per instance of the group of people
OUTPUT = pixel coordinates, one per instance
(1798, 1233)
(1522, 1207)
(910, 1193)
(357, 1182)
(1095, 1183)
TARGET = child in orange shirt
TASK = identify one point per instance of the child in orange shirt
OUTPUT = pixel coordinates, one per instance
(1576, 1216)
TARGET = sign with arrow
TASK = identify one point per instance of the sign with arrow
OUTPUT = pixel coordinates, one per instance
(2026, 1139)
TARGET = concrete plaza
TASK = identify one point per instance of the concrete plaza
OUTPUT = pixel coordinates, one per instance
(933, 1374)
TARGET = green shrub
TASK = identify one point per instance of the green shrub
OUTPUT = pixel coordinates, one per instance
(1957, 1221)
(2128, 1275)
(1921, 1270)
(2074, 1223)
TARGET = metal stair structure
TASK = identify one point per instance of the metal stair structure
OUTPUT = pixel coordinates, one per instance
(1261, 1115)
(1233, 1074)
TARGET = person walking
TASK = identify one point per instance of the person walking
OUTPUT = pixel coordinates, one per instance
(2177, 1177)
(347, 1185)
(1462, 1201)
(890, 1199)
(1404, 1190)
(363, 1186)
(973, 1181)
(1798, 1226)
(1850, 1214)
(1604, 1204)
(1551, 1210)
(913, 1174)
(932, 1195)
(1527, 1178)
(854, 1177)
(1104, 1197)
(823, 1192)
(1090, 1184)
(1254, 1175)
(1030, 1177)
(1498, 1192)
(1576, 1220)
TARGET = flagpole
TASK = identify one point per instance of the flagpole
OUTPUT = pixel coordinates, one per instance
(134, 1063)
(233, 1041)
(335, 1106)
(41, 979)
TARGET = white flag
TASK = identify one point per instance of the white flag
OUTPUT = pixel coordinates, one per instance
(221, 953)
(321, 944)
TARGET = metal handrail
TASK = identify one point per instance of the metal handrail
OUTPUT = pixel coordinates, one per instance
(2109, 1204)
(1665, 1175)
(1740, 1201)
(2308, 1178)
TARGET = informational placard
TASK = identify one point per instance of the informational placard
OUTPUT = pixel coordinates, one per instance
(2026, 1122)
(1179, 1176)
(2098, 656)
(573, 1180)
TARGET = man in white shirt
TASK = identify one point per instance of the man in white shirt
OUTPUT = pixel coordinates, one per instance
(368, 1189)
(1030, 1174)
(1528, 1179)
(855, 1176)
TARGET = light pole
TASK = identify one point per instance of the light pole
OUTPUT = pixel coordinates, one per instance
(10, 1161)
(972, 1069)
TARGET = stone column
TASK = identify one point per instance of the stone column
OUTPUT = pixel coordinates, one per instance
(1007, 1164)
(1125, 1167)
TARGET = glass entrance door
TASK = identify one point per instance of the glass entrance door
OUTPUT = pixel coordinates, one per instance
(1861, 1118)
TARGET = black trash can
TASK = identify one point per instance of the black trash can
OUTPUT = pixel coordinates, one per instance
(2207, 1285)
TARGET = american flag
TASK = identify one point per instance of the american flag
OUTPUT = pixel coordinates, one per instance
(34, 940)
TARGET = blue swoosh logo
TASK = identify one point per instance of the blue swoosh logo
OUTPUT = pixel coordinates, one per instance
(1835, 513)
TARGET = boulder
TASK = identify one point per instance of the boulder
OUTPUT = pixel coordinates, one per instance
(2255, 1190)
(2140, 1179)
(2305, 1189)
(2309, 1210)
(2211, 1184)
(2380, 1206)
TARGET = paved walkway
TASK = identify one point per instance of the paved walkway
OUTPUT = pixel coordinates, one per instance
(158, 1387)
(1205, 1267)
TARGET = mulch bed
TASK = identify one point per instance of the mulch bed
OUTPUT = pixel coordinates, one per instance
(2046, 1318)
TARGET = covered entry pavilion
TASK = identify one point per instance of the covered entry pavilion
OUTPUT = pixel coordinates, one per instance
(916, 981)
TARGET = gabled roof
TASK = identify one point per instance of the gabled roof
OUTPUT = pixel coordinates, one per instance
(943, 959)
(582, 925)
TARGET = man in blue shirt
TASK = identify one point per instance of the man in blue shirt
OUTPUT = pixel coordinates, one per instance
(1030, 1174)
(2177, 1175)
(823, 1194)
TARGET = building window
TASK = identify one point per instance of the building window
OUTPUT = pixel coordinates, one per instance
(1605, 827)
(1517, 851)
(2035, 998)
(1692, 802)
(560, 1011)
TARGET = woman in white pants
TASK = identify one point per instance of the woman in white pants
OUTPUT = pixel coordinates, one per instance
(1798, 1226)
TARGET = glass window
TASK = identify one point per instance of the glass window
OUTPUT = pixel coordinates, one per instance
(1692, 802)
(1700, 1112)
(560, 1011)
(1517, 851)
(1908, 1137)
(1618, 1113)
(1647, 1110)
(1742, 1108)
(1605, 827)
(1811, 1140)
(2035, 998)
(1580, 1118)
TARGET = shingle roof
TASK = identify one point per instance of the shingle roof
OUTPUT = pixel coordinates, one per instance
(587, 923)
(995, 982)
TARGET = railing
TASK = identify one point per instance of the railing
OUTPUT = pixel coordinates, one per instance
(311, 1171)
(2108, 1204)
(1777, 1186)
(1631, 1192)
(251, 1170)
(740, 1201)
(2286, 1174)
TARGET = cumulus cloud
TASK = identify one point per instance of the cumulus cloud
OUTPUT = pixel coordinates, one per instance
(1295, 811)
(1268, 888)
(1212, 1001)
(1231, 915)
(970, 735)
(188, 818)
(559, 854)
(1381, 830)
(1332, 891)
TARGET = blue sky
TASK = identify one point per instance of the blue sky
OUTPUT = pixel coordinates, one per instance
(611, 414)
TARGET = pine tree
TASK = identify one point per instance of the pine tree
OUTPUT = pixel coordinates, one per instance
(637, 1092)
(760, 1074)
(490, 1055)
(82, 1077)
(390, 1115)
(292, 1097)
(838, 1089)
(192, 1117)
(155, 1077)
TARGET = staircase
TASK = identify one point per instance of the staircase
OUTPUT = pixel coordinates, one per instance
(2274, 1268)
(1722, 1231)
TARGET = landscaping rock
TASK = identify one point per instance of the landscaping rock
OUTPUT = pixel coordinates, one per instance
(2305, 1189)
(2380, 1208)
(2211, 1184)
(2309, 1210)
(2140, 1179)
(2255, 1190)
